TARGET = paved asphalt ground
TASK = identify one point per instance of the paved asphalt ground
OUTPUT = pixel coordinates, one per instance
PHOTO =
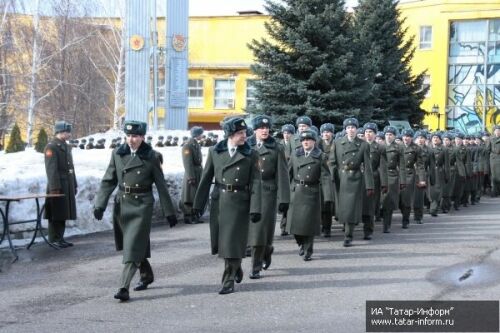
(71, 290)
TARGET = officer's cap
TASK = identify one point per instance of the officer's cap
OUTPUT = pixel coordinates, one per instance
(371, 126)
(391, 129)
(308, 135)
(288, 128)
(407, 132)
(327, 127)
(419, 134)
(351, 122)
(233, 125)
(261, 121)
(305, 120)
(196, 131)
(62, 126)
(135, 127)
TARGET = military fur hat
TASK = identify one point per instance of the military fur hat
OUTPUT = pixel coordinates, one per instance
(196, 131)
(438, 134)
(288, 128)
(448, 135)
(485, 133)
(135, 127)
(370, 126)
(381, 135)
(407, 132)
(62, 126)
(327, 127)
(350, 122)
(304, 120)
(308, 135)
(91, 139)
(460, 135)
(233, 125)
(391, 129)
(261, 121)
(315, 129)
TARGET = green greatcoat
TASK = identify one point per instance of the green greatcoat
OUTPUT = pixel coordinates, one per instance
(327, 209)
(351, 164)
(396, 175)
(427, 176)
(60, 177)
(134, 210)
(493, 150)
(192, 160)
(414, 169)
(379, 170)
(460, 158)
(310, 180)
(230, 210)
(275, 189)
(441, 173)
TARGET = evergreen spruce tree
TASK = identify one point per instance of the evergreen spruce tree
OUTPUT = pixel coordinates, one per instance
(15, 142)
(383, 42)
(41, 141)
(307, 67)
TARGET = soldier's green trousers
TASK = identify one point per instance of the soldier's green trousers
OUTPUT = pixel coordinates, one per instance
(258, 253)
(306, 242)
(232, 265)
(326, 218)
(146, 271)
(368, 224)
(129, 269)
(56, 230)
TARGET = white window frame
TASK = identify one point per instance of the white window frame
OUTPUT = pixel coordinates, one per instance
(425, 41)
(195, 102)
(226, 98)
(249, 87)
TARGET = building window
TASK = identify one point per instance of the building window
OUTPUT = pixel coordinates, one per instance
(425, 37)
(426, 84)
(250, 93)
(195, 89)
(224, 94)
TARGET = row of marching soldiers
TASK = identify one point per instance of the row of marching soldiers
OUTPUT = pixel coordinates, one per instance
(309, 179)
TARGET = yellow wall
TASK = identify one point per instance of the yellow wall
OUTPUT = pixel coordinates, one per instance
(439, 14)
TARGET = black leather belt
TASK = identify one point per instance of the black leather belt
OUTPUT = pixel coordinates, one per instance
(231, 187)
(305, 182)
(131, 189)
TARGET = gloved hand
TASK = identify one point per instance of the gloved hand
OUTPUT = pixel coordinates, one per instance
(172, 220)
(283, 207)
(255, 217)
(370, 192)
(98, 212)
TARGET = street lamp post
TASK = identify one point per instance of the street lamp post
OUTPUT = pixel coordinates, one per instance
(435, 110)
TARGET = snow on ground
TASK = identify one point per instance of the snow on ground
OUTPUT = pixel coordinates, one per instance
(24, 172)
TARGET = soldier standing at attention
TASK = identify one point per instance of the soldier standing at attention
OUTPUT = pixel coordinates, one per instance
(310, 179)
(275, 193)
(460, 156)
(134, 167)
(326, 145)
(61, 179)
(442, 172)
(414, 169)
(236, 198)
(493, 150)
(422, 181)
(350, 161)
(396, 175)
(448, 188)
(379, 170)
(192, 160)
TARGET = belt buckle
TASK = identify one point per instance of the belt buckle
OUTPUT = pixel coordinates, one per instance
(301, 182)
(229, 187)
(127, 189)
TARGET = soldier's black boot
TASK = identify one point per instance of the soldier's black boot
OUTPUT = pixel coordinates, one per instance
(254, 275)
(122, 295)
(268, 257)
(147, 277)
(227, 288)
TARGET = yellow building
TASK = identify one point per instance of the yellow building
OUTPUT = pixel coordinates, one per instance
(457, 42)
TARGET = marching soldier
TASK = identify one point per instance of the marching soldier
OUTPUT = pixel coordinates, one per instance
(168, 142)
(486, 162)
(414, 169)
(460, 158)
(379, 170)
(236, 198)
(441, 170)
(134, 167)
(192, 160)
(424, 180)
(326, 145)
(303, 123)
(448, 187)
(100, 144)
(469, 168)
(396, 176)
(288, 131)
(61, 179)
(310, 179)
(493, 151)
(275, 193)
(175, 143)
(350, 163)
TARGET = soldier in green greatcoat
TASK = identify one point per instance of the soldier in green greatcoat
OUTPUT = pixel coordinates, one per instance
(459, 159)
(134, 167)
(423, 181)
(303, 123)
(396, 175)
(61, 179)
(448, 187)
(441, 171)
(414, 169)
(310, 179)
(275, 193)
(379, 170)
(493, 150)
(351, 165)
(326, 145)
(235, 199)
(288, 131)
(192, 160)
